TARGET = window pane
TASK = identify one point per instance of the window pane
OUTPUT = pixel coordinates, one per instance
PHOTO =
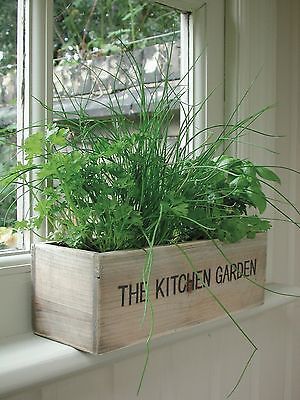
(84, 29)
(87, 34)
(90, 39)
(8, 22)
(95, 74)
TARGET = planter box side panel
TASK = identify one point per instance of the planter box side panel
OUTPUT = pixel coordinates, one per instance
(180, 299)
(63, 295)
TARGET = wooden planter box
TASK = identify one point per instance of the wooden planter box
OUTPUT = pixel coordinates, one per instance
(95, 301)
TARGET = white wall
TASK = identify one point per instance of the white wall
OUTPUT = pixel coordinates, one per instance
(203, 367)
(261, 34)
(288, 122)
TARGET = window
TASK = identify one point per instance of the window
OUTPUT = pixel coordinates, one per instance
(201, 53)
(90, 43)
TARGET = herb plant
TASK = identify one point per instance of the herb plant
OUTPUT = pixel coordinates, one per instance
(104, 184)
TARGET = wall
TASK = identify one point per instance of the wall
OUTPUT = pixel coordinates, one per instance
(288, 123)
(203, 367)
(262, 36)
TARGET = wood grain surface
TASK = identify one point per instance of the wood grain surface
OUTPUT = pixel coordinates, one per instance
(96, 301)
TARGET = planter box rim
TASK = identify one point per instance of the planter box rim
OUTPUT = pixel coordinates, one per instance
(145, 249)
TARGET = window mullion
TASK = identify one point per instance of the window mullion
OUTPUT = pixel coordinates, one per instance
(34, 81)
(198, 81)
(49, 59)
(23, 105)
(193, 69)
(203, 46)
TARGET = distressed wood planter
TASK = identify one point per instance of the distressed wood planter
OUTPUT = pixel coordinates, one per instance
(95, 301)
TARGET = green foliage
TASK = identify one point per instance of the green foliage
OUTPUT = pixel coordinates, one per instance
(119, 184)
(81, 26)
(85, 25)
(8, 191)
(8, 35)
(229, 188)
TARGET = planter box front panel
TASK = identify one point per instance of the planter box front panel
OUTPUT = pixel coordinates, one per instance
(63, 291)
(106, 297)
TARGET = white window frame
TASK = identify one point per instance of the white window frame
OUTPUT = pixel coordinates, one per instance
(34, 82)
(34, 88)
(202, 61)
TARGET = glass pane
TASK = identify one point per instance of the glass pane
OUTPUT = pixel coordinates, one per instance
(88, 28)
(90, 40)
(8, 21)
(90, 36)
(103, 51)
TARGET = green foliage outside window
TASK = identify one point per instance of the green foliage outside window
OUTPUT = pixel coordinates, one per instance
(8, 195)
(7, 150)
(8, 33)
(83, 26)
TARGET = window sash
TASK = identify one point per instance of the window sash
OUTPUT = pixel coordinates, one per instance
(202, 52)
(34, 85)
(202, 47)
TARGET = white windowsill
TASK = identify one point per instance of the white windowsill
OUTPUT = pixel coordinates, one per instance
(29, 360)
(14, 261)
